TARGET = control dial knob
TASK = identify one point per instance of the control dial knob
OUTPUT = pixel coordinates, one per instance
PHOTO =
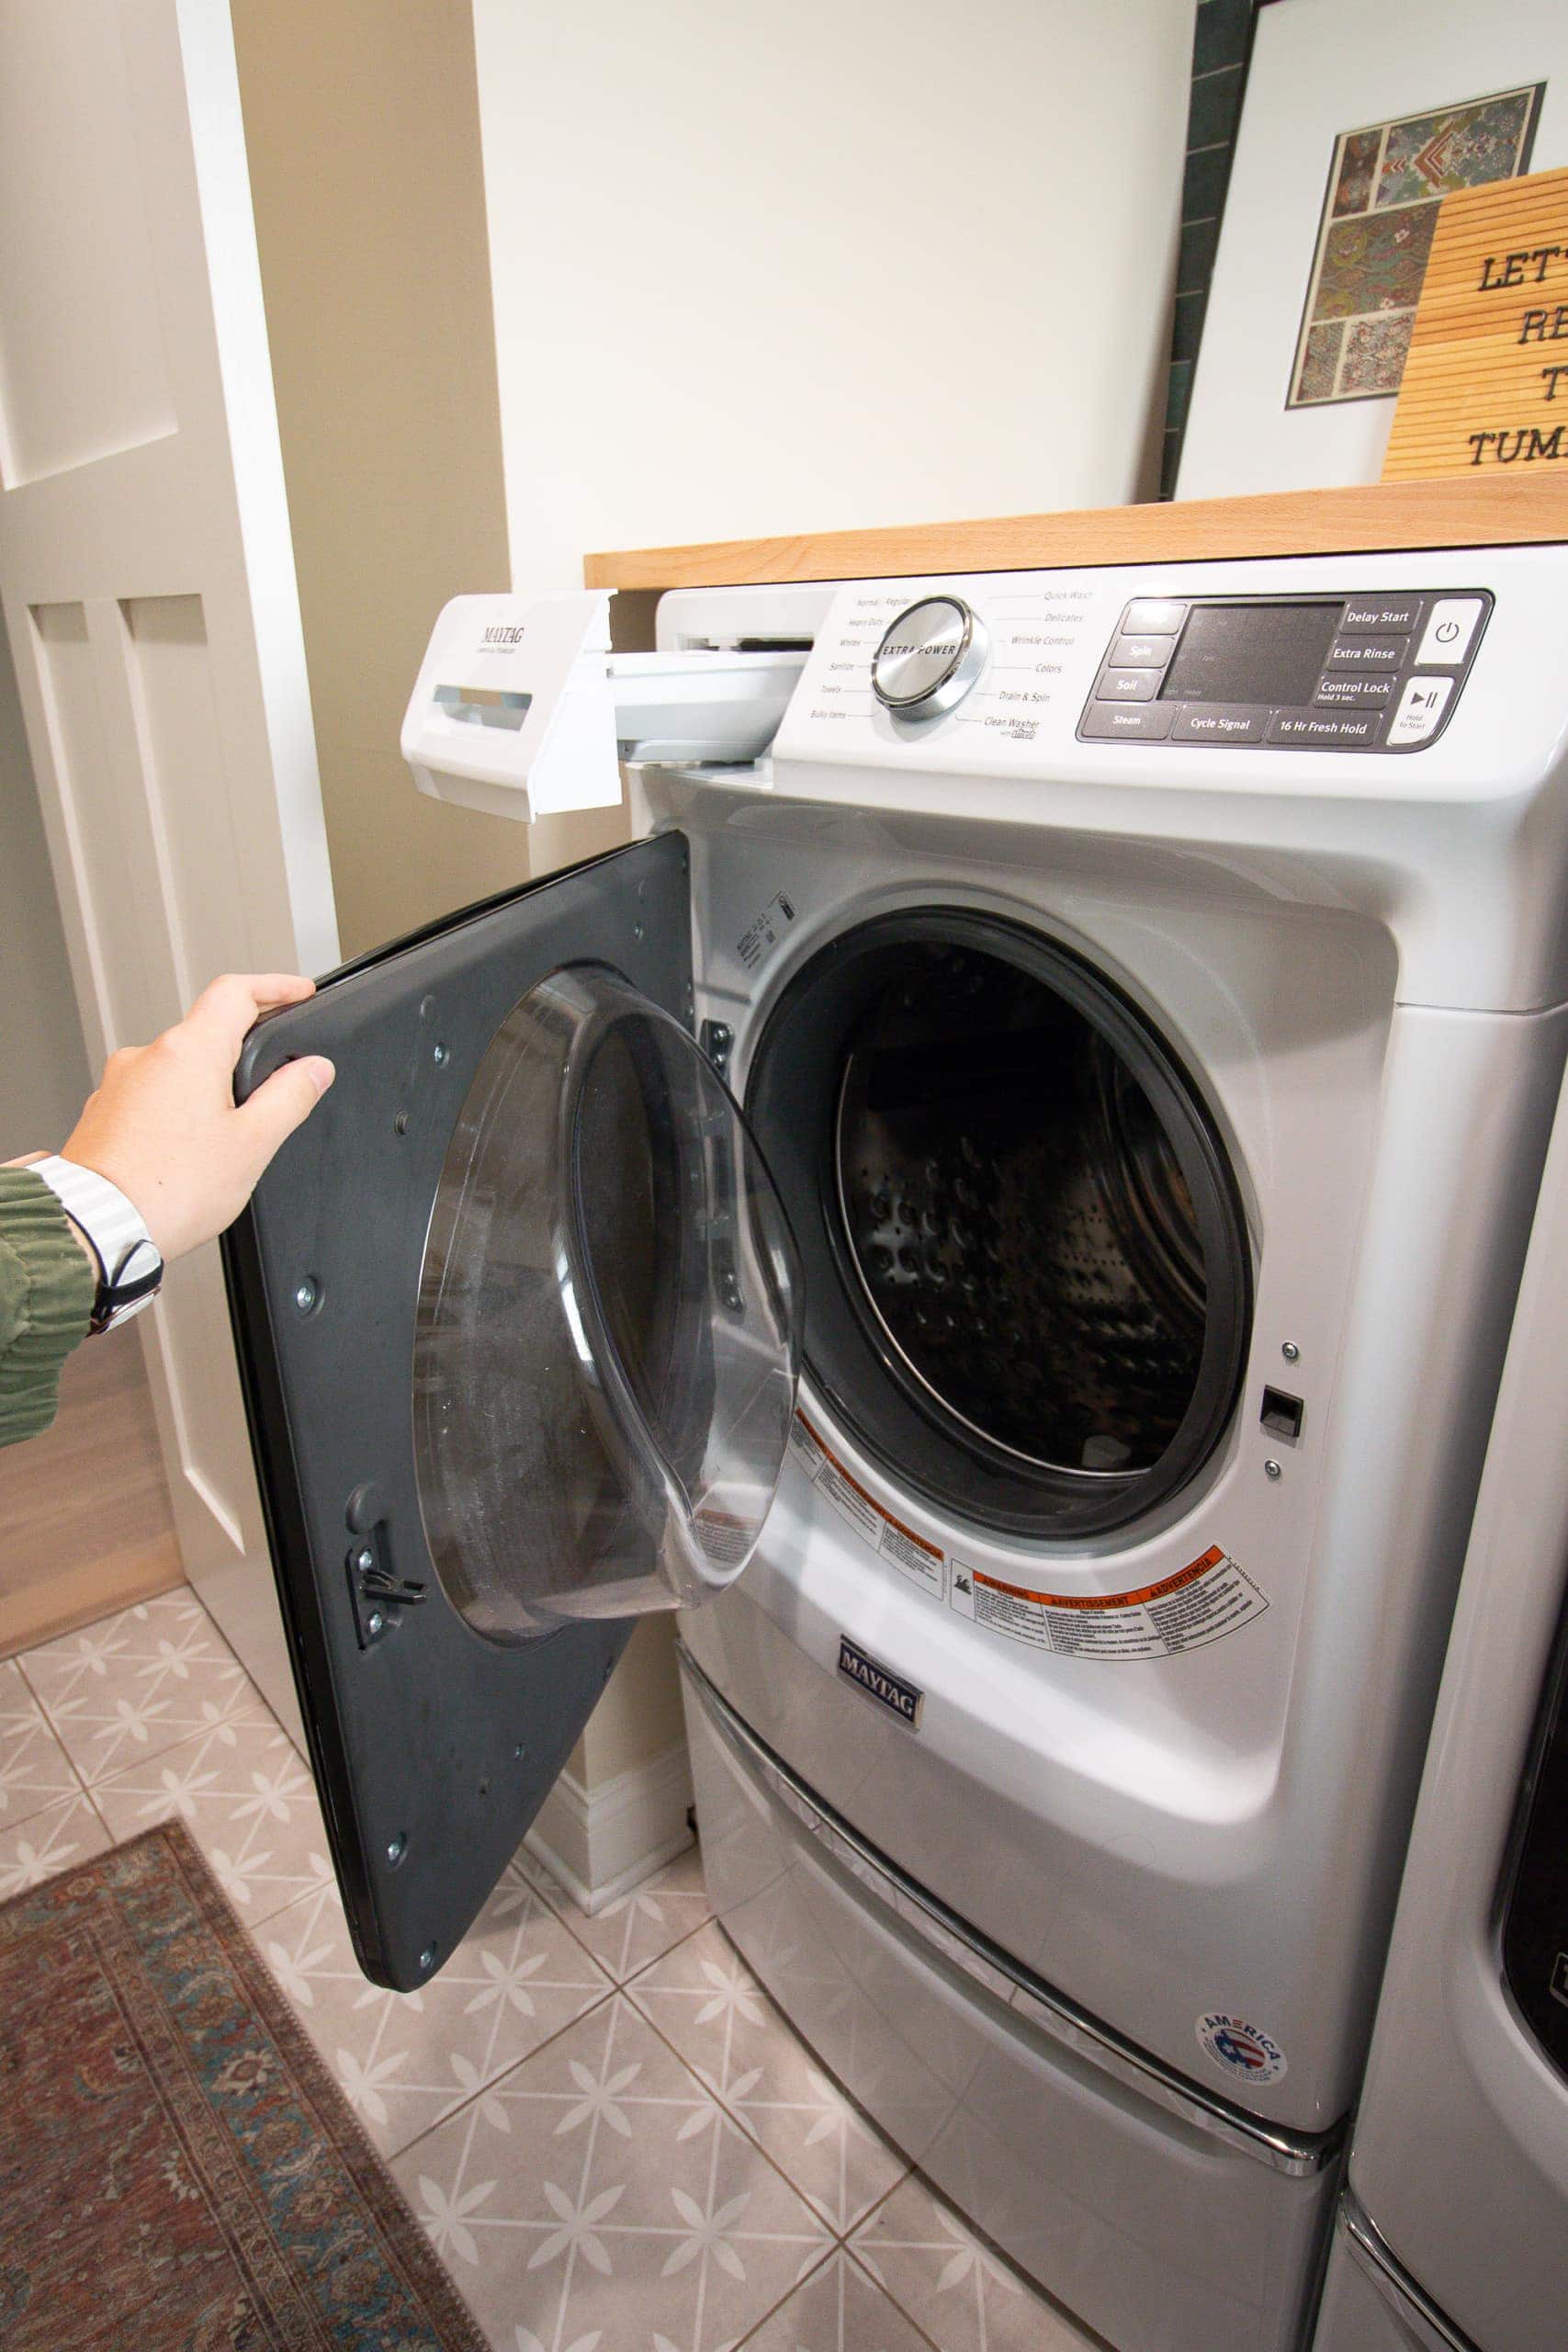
(930, 658)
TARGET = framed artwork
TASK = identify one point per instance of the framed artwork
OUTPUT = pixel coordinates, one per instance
(1354, 121)
(1386, 183)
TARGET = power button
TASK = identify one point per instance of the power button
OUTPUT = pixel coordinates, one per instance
(1450, 627)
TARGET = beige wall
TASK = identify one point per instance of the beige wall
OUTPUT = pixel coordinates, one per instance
(362, 129)
(361, 122)
(43, 1063)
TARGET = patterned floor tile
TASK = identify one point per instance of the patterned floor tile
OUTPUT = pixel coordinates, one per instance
(598, 2200)
(137, 1683)
(35, 1770)
(55, 1839)
(637, 1926)
(704, 1998)
(967, 2300)
(246, 1799)
(837, 2309)
(406, 2060)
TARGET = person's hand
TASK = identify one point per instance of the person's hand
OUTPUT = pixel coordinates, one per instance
(163, 1127)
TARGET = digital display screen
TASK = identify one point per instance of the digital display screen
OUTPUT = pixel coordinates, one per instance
(1256, 653)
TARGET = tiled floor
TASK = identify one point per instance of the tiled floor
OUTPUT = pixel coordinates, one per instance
(611, 2137)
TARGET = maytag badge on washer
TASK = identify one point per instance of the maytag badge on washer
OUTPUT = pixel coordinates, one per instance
(903, 1698)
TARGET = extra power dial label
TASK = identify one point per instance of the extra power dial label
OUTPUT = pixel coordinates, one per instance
(1202, 1602)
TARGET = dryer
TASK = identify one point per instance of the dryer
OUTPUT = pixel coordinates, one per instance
(1453, 2231)
(1084, 1157)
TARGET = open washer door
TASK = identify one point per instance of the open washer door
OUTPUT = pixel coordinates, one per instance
(516, 1313)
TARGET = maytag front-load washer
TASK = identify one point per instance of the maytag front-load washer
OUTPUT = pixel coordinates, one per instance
(1145, 993)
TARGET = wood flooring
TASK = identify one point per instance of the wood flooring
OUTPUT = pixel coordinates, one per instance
(85, 1521)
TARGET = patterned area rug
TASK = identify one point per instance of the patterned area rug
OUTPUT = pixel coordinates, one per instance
(176, 2168)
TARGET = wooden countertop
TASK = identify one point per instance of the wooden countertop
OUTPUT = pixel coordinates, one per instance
(1484, 509)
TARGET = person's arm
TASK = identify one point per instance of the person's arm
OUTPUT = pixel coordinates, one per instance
(47, 1282)
(164, 1129)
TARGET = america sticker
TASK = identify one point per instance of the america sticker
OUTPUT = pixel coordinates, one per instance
(1243, 2051)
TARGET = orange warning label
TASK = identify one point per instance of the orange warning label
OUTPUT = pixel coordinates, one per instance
(1202, 1602)
(923, 1562)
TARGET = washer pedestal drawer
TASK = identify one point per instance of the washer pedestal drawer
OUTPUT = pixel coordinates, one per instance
(1156, 2227)
(1367, 2304)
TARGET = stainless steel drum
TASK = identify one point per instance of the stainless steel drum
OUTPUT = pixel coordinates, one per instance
(1027, 1275)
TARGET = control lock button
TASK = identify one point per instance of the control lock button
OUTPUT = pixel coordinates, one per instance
(1421, 705)
(1450, 627)
(1128, 685)
(1343, 692)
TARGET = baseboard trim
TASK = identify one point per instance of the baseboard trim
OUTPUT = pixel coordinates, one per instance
(600, 1843)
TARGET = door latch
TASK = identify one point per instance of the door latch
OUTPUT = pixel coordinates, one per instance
(378, 1596)
(717, 1039)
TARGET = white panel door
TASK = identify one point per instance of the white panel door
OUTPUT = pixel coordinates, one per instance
(149, 590)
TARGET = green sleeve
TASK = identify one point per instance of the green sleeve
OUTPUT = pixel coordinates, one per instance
(47, 1286)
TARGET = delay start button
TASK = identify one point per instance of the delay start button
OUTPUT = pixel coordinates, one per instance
(930, 658)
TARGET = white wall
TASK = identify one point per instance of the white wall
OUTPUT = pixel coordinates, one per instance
(767, 270)
(43, 1063)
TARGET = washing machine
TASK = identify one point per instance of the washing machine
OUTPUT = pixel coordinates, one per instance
(1453, 2231)
(1004, 1203)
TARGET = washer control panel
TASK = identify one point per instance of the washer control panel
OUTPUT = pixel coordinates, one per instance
(1305, 673)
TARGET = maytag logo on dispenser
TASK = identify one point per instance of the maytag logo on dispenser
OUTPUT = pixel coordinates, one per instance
(901, 1699)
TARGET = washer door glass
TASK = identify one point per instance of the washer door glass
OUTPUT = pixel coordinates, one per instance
(606, 1344)
(1039, 1286)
